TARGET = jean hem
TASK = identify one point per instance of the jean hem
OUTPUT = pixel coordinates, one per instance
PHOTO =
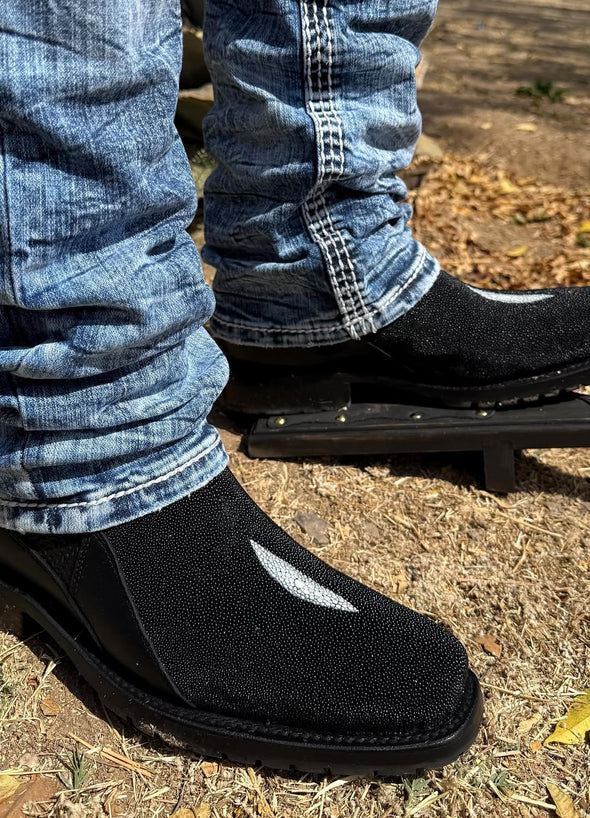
(116, 507)
(390, 306)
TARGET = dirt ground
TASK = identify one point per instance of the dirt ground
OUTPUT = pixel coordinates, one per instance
(506, 206)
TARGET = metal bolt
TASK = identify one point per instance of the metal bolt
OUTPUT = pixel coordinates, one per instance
(279, 421)
(341, 418)
(416, 416)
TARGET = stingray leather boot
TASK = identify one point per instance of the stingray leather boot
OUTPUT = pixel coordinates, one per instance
(458, 346)
(206, 624)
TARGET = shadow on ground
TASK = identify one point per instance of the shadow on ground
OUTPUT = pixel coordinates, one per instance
(479, 54)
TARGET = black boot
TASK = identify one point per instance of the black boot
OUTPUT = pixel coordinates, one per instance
(204, 623)
(459, 346)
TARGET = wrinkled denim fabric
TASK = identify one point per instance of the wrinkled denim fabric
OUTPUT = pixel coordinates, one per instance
(106, 374)
(315, 113)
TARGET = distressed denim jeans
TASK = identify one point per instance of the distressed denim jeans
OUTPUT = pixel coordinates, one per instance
(305, 219)
(106, 373)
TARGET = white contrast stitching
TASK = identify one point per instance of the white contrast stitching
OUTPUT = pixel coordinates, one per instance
(325, 221)
(317, 215)
(162, 478)
(331, 88)
(307, 50)
(338, 173)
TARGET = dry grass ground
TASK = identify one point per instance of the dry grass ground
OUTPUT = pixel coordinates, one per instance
(515, 569)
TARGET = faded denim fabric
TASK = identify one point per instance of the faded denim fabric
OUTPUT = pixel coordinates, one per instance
(106, 375)
(315, 114)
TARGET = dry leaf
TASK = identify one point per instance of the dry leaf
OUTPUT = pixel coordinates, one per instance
(37, 791)
(530, 127)
(49, 707)
(563, 803)
(429, 148)
(528, 724)
(200, 811)
(209, 768)
(399, 584)
(536, 746)
(517, 252)
(573, 728)
(583, 234)
(8, 786)
(491, 645)
(507, 187)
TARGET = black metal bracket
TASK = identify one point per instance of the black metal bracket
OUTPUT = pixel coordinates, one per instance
(396, 428)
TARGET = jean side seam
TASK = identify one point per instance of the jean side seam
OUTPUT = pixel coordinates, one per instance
(316, 213)
(338, 173)
(312, 226)
(118, 494)
(325, 133)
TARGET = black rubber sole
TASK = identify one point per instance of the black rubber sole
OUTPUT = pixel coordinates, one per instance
(245, 742)
(257, 390)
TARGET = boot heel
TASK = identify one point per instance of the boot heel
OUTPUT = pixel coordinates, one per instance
(260, 390)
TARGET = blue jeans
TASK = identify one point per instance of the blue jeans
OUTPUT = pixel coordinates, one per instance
(106, 372)
(305, 219)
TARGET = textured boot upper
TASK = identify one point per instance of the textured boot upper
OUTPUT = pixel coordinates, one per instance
(248, 623)
(461, 334)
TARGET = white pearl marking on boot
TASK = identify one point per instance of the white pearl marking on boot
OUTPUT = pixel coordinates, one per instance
(297, 583)
(511, 297)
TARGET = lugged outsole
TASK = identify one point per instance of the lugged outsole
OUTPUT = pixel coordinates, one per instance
(242, 742)
(265, 391)
(524, 400)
